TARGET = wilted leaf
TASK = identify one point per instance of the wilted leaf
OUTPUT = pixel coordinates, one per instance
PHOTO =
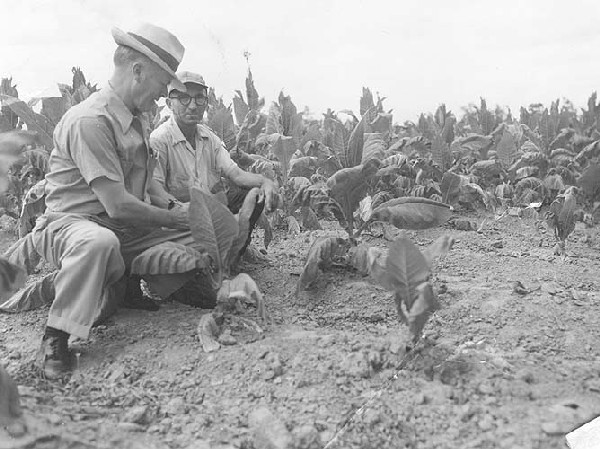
(243, 287)
(368, 260)
(365, 209)
(213, 227)
(168, 258)
(412, 213)
(321, 254)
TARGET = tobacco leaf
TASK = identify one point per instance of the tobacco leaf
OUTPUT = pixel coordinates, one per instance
(366, 100)
(273, 125)
(34, 205)
(348, 186)
(169, 258)
(242, 287)
(213, 227)
(450, 187)
(353, 153)
(373, 147)
(589, 181)
(35, 122)
(309, 219)
(254, 102)
(506, 149)
(412, 213)
(243, 225)
(221, 122)
(283, 149)
(321, 254)
(424, 305)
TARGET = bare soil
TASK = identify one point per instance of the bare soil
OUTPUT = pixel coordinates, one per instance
(497, 367)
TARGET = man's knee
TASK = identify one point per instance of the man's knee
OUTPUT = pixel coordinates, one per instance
(102, 241)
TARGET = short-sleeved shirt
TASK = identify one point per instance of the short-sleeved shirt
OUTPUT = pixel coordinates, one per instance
(99, 137)
(180, 166)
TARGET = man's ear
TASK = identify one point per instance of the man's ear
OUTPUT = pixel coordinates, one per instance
(169, 102)
(137, 68)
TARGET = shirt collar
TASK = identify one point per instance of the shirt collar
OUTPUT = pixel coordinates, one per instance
(116, 107)
(178, 136)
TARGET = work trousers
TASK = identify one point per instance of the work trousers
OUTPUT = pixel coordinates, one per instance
(92, 260)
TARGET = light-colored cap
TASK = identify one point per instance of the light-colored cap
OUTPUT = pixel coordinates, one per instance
(184, 77)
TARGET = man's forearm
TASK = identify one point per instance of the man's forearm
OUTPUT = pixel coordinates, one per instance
(159, 197)
(245, 179)
(137, 213)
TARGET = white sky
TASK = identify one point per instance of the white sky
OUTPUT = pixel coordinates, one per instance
(417, 53)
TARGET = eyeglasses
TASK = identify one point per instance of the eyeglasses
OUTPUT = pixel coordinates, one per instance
(185, 100)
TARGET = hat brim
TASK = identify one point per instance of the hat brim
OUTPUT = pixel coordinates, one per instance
(122, 38)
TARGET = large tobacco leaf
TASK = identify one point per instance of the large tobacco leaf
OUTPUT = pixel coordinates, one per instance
(412, 213)
(169, 258)
(366, 100)
(213, 227)
(35, 295)
(254, 101)
(506, 149)
(450, 187)
(440, 152)
(35, 122)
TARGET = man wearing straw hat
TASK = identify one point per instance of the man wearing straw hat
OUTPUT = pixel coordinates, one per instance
(99, 215)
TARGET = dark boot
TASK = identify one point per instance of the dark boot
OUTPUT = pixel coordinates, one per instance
(53, 357)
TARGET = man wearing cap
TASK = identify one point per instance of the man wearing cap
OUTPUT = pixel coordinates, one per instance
(99, 215)
(189, 153)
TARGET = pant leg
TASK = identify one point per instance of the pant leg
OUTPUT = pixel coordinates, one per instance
(89, 262)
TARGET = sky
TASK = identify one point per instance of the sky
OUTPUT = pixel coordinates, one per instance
(417, 54)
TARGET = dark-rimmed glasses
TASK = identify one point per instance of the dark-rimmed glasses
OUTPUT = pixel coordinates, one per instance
(185, 100)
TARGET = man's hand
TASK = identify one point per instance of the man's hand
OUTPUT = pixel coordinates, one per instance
(180, 216)
(271, 194)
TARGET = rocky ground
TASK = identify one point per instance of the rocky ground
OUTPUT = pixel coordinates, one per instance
(512, 359)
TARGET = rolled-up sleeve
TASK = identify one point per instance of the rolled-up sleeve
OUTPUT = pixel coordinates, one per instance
(92, 148)
(162, 168)
(224, 163)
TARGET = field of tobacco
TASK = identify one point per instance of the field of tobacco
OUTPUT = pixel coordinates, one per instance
(422, 285)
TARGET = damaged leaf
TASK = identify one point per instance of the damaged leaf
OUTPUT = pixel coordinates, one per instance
(321, 254)
(412, 213)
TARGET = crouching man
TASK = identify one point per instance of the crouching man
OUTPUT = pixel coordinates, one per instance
(98, 216)
(190, 154)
